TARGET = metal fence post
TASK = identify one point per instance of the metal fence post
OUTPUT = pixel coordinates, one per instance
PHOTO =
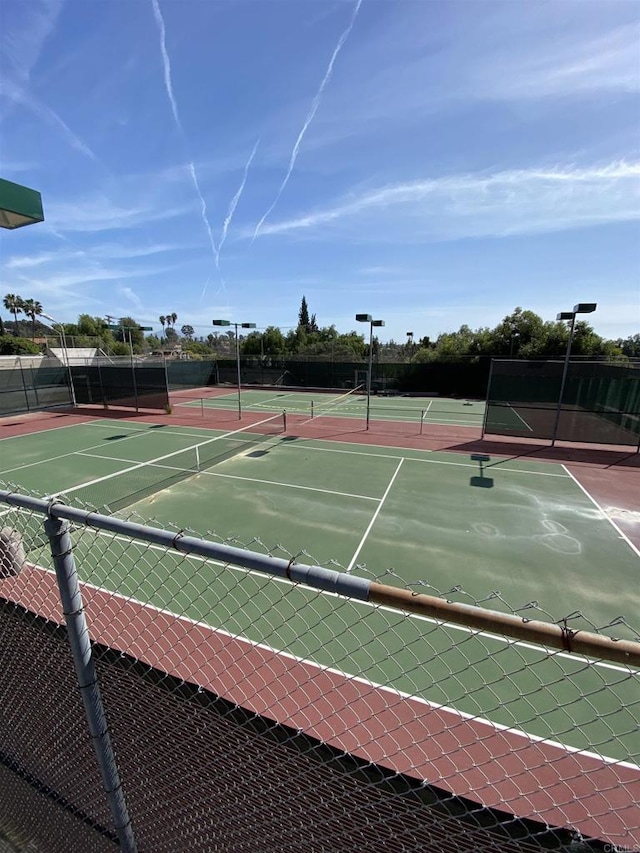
(487, 402)
(24, 384)
(57, 531)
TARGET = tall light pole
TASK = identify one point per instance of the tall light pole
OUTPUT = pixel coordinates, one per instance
(65, 354)
(236, 326)
(367, 318)
(580, 308)
(409, 342)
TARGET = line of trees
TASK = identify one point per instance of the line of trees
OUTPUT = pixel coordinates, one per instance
(31, 308)
(521, 334)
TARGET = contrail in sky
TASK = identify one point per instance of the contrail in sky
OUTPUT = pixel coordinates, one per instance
(174, 108)
(234, 202)
(311, 115)
(166, 63)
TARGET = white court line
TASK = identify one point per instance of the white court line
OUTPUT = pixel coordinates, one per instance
(198, 558)
(139, 465)
(44, 431)
(375, 515)
(194, 433)
(212, 473)
(415, 459)
(348, 452)
(521, 418)
(269, 399)
(312, 664)
(620, 532)
(65, 455)
(291, 486)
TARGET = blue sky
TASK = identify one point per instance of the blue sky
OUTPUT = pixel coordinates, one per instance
(430, 163)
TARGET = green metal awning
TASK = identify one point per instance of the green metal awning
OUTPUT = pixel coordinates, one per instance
(19, 205)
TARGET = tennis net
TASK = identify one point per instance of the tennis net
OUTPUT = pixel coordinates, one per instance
(124, 488)
(335, 403)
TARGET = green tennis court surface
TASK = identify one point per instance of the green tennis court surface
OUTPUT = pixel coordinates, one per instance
(429, 519)
(349, 405)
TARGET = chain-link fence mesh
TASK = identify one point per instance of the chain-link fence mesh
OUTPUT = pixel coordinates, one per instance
(258, 702)
(128, 385)
(33, 383)
(593, 402)
(462, 377)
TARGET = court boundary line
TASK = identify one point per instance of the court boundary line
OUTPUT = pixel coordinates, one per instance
(463, 715)
(135, 434)
(452, 626)
(309, 445)
(521, 418)
(138, 465)
(348, 413)
(212, 473)
(414, 459)
(375, 515)
(44, 431)
(269, 399)
(605, 515)
(165, 431)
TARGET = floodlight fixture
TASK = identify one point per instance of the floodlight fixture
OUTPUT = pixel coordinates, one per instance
(19, 205)
(236, 326)
(367, 318)
(580, 308)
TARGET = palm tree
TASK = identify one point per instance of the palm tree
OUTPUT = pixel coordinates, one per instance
(174, 317)
(32, 308)
(163, 320)
(14, 304)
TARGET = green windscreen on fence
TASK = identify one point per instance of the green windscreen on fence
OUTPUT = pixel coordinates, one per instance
(32, 383)
(463, 378)
(191, 374)
(600, 401)
(128, 386)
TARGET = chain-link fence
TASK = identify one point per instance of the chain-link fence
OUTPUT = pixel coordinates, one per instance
(586, 401)
(166, 692)
(33, 383)
(127, 385)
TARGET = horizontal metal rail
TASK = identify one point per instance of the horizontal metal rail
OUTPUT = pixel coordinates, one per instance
(550, 635)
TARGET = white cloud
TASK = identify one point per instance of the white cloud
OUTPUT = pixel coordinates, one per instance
(60, 281)
(525, 201)
(572, 66)
(132, 297)
(107, 251)
(516, 53)
(101, 214)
